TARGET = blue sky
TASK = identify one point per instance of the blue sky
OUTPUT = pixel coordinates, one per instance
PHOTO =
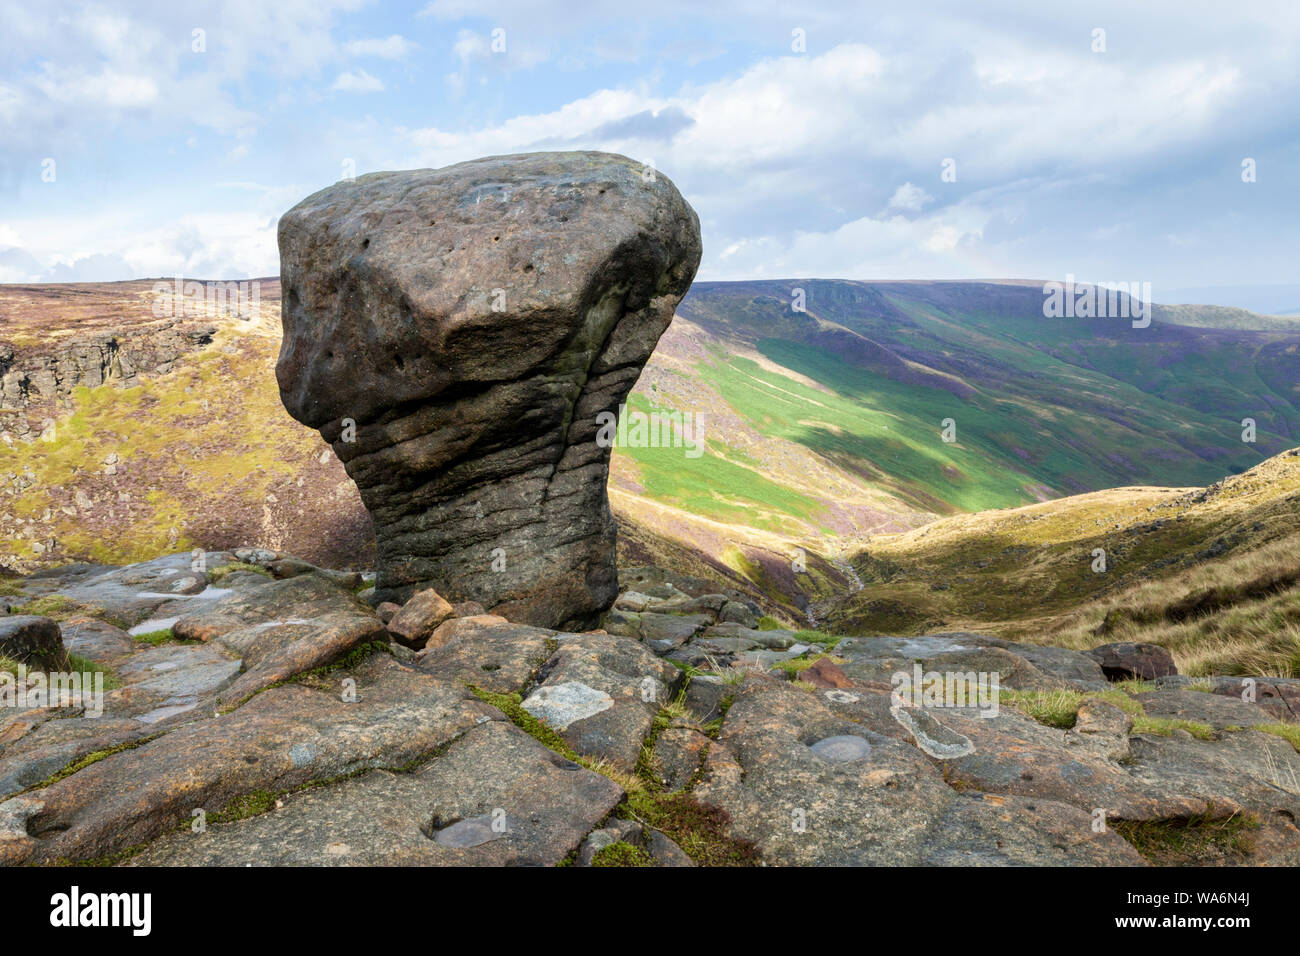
(1115, 165)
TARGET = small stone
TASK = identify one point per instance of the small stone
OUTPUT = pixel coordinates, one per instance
(1132, 660)
(842, 697)
(825, 674)
(419, 618)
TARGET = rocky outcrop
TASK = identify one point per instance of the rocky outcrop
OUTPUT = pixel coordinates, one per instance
(1128, 660)
(44, 374)
(455, 333)
(33, 641)
(326, 741)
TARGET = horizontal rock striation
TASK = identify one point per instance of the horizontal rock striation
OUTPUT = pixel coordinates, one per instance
(454, 333)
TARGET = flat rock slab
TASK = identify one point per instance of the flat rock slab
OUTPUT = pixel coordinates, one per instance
(177, 670)
(127, 595)
(1020, 666)
(487, 651)
(1244, 769)
(303, 597)
(1014, 754)
(283, 738)
(283, 652)
(892, 807)
(1217, 711)
(98, 641)
(1280, 696)
(495, 797)
(560, 705)
(624, 671)
(982, 829)
(773, 640)
(46, 746)
(666, 631)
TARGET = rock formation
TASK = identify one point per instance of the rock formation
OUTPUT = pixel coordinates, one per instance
(455, 333)
(499, 743)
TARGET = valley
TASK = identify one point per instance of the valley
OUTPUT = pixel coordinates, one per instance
(816, 477)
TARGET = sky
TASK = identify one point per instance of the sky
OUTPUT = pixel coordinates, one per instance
(1110, 141)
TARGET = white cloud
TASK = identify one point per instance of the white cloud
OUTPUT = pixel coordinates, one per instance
(394, 47)
(909, 198)
(793, 161)
(358, 81)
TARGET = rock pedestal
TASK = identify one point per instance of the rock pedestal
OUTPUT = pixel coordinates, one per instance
(454, 333)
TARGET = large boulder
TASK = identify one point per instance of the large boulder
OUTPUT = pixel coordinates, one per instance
(33, 641)
(455, 333)
(1129, 660)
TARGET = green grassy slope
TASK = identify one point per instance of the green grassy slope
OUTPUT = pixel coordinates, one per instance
(1041, 406)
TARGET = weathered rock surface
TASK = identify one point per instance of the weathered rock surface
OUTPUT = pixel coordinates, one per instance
(471, 322)
(46, 371)
(281, 739)
(601, 694)
(496, 797)
(32, 640)
(128, 596)
(802, 751)
(486, 651)
(419, 617)
(1130, 660)
(889, 806)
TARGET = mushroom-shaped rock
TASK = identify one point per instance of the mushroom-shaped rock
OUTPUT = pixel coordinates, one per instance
(455, 333)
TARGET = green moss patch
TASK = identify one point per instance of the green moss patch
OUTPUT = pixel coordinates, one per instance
(84, 665)
(1060, 708)
(1194, 841)
(622, 854)
(217, 574)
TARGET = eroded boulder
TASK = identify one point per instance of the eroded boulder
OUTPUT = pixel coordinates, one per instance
(455, 333)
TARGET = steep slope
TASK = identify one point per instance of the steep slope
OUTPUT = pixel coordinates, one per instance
(194, 451)
(1212, 573)
(1042, 407)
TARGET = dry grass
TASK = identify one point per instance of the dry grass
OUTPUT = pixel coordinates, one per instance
(1237, 633)
(1212, 574)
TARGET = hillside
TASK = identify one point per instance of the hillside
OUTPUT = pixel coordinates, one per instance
(1042, 407)
(821, 431)
(192, 448)
(823, 428)
(1211, 573)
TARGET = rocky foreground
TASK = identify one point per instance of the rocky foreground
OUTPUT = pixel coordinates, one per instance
(259, 711)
